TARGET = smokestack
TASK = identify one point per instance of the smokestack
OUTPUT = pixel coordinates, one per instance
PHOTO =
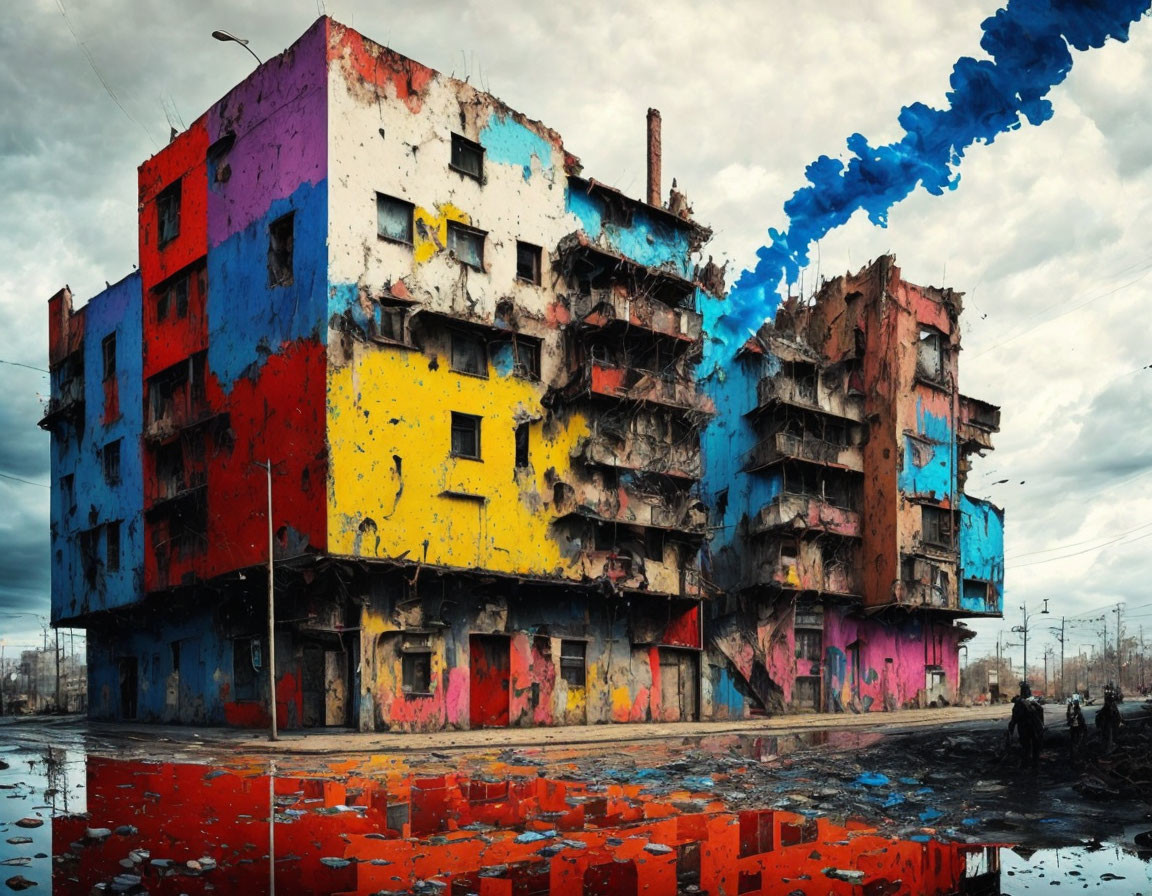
(654, 157)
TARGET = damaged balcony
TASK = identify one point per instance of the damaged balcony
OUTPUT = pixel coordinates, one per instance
(618, 308)
(805, 513)
(808, 395)
(610, 380)
(177, 400)
(68, 405)
(783, 446)
(924, 583)
(640, 452)
(811, 566)
(978, 421)
(624, 506)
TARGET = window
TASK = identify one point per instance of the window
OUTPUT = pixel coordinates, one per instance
(572, 662)
(280, 251)
(109, 352)
(466, 244)
(465, 436)
(936, 526)
(89, 554)
(391, 325)
(67, 493)
(394, 218)
(522, 445)
(527, 262)
(654, 545)
(939, 580)
(467, 157)
(111, 457)
(173, 299)
(112, 546)
(245, 652)
(526, 353)
(416, 664)
(469, 354)
(809, 644)
(168, 214)
(930, 355)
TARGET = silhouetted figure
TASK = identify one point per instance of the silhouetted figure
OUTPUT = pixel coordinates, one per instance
(1108, 721)
(1077, 728)
(1028, 721)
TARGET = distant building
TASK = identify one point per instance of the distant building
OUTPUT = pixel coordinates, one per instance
(474, 373)
(843, 540)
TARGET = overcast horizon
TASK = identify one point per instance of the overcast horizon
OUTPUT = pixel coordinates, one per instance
(1042, 233)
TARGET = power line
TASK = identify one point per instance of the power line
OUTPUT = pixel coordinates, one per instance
(1076, 544)
(21, 364)
(25, 481)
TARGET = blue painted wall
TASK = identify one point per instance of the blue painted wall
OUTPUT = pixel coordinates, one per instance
(97, 501)
(243, 331)
(651, 240)
(981, 551)
(507, 142)
(935, 474)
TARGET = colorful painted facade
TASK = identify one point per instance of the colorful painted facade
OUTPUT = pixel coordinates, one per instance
(474, 375)
(844, 543)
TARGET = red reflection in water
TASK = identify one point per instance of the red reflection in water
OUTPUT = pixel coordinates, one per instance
(519, 835)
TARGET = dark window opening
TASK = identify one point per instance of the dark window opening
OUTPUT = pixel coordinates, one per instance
(90, 554)
(67, 493)
(526, 352)
(416, 664)
(522, 445)
(466, 244)
(936, 526)
(469, 354)
(618, 211)
(280, 251)
(173, 299)
(394, 218)
(721, 502)
(168, 214)
(467, 157)
(244, 677)
(527, 262)
(112, 546)
(465, 436)
(809, 644)
(111, 458)
(572, 662)
(392, 323)
(108, 346)
(654, 545)
(170, 470)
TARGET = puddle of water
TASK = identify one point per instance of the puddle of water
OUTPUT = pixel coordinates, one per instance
(1098, 869)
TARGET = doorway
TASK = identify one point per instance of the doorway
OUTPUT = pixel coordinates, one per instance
(679, 674)
(324, 686)
(128, 687)
(489, 680)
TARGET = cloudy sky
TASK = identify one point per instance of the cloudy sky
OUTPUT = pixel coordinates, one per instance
(1043, 233)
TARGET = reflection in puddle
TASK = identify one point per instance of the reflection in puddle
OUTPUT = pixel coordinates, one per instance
(183, 828)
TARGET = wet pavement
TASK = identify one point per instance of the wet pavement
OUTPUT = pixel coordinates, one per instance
(844, 811)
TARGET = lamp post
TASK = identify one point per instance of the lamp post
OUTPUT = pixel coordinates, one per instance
(229, 36)
(271, 610)
(1023, 629)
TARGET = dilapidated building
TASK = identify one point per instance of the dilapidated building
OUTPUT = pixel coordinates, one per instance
(471, 370)
(386, 331)
(844, 543)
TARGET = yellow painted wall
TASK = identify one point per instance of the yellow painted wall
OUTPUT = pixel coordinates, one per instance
(391, 402)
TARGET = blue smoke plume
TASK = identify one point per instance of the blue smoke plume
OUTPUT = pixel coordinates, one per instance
(1028, 42)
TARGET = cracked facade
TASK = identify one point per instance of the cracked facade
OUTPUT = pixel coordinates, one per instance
(477, 377)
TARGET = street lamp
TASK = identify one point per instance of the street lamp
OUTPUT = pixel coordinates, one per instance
(1023, 629)
(229, 36)
(271, 606)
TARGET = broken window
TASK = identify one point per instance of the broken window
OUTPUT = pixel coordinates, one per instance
(394, 218)
(111, 458)
(936, 526)
(788, 552)
(809, 644)
(466, 244)
(939, 587)
(469, 354)
(392, 321)
(173, 299)
(465, 436)
(467, 157)
(90, 554)
(168, 214)
(108, 347)
(527, 262)
(280, 251)
(170, 470)
(526, 352)
(572, 662)
(244, 666)
(416, 664)
(522, 445)
(930, 355)
(112, 546)
(654, 545)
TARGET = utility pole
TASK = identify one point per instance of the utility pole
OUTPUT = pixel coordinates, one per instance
(1119, 611)
(57, 669)
(271, 612)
